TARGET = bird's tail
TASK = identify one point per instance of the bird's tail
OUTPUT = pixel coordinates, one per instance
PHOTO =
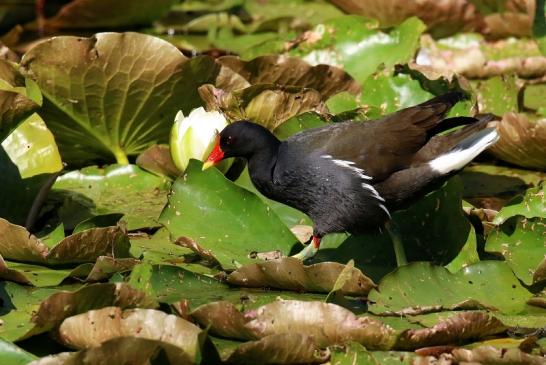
(464, 151)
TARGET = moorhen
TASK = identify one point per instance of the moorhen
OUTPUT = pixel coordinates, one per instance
(350, 176)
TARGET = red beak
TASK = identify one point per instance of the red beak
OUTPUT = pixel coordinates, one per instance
(215, 156)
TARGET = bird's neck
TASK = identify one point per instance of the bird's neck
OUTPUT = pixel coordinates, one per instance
(261, 165)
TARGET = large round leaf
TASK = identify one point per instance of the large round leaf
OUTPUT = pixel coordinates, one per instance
(108, 14)
(421, 288)
(93, 191)
(223, 218)
(29, 160)
(521, 241)
(114, 94)
(358, 45)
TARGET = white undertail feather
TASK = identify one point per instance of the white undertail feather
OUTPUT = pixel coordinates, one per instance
(465, 151)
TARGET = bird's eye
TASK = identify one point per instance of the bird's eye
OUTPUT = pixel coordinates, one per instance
(229, 140)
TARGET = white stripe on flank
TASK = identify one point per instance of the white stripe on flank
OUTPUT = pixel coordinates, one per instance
(360, 173)
(348, 165)
(464, 152)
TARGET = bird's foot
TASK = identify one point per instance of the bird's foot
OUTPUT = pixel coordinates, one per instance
(310, 250)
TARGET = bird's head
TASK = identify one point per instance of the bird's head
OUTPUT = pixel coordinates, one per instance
(240, 139)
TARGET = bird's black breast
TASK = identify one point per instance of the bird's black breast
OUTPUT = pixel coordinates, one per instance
(335, 195)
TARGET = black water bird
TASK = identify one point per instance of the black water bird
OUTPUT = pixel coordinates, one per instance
(350, 176)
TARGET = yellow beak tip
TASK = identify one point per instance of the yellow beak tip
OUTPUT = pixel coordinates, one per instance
(207, 164)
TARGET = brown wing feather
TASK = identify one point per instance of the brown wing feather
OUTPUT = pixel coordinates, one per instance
(388, 144)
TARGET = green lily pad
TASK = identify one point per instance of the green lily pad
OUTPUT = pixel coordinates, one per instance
(531, 204)
(11, 354)
(392, 93)
(521, 241)
(127, 189)
(29, 274)
(232, 230)
(421, 287)
(265, 104)
(355, 353)
(498, 95)
(106, 96)
(30, 161)
(533, 98)
(358, 45)
(103, 14)
(19, 305)
(292, 71)
(19, 98)
(173, 284)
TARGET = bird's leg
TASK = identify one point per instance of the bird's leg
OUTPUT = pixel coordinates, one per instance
(399, 252)
(310, 250)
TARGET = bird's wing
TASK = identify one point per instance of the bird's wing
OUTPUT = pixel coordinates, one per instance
(379, 147)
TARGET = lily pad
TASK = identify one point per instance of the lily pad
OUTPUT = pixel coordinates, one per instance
(531, 204)
(265, 104)
(32, 274)
(19, 98)
(329, 324)
(498, 95)
(127, 189)
(422, 288)
(106, 96)
(286, 348)
(92, 328)
(358, 45)
(103, 14)
(120, 350)
(521, 241)
(493, 355)
(16, 243)
(30, 162)
(522, 141)
(392, 93)
(157, 159)
(290, 273)
(292, 71)
(11, 354)
(20, 303)
(242, 222)
(63, 304)
(455, 329)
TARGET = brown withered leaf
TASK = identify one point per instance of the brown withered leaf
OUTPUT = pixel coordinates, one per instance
(64, 304)
(16, 243)
(157, 159)
(442, 17)
(286, 348)
(224, 319)
(492, 355)
(292, 71)
(265, 104)
(453, 330)
(120, 350)
(92, 328)
(521, 142)
(328, 324)
(290, 273)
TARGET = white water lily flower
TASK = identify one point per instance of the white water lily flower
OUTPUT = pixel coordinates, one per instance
(194, 136)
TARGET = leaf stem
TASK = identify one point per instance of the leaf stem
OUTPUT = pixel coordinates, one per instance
(121, 157)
